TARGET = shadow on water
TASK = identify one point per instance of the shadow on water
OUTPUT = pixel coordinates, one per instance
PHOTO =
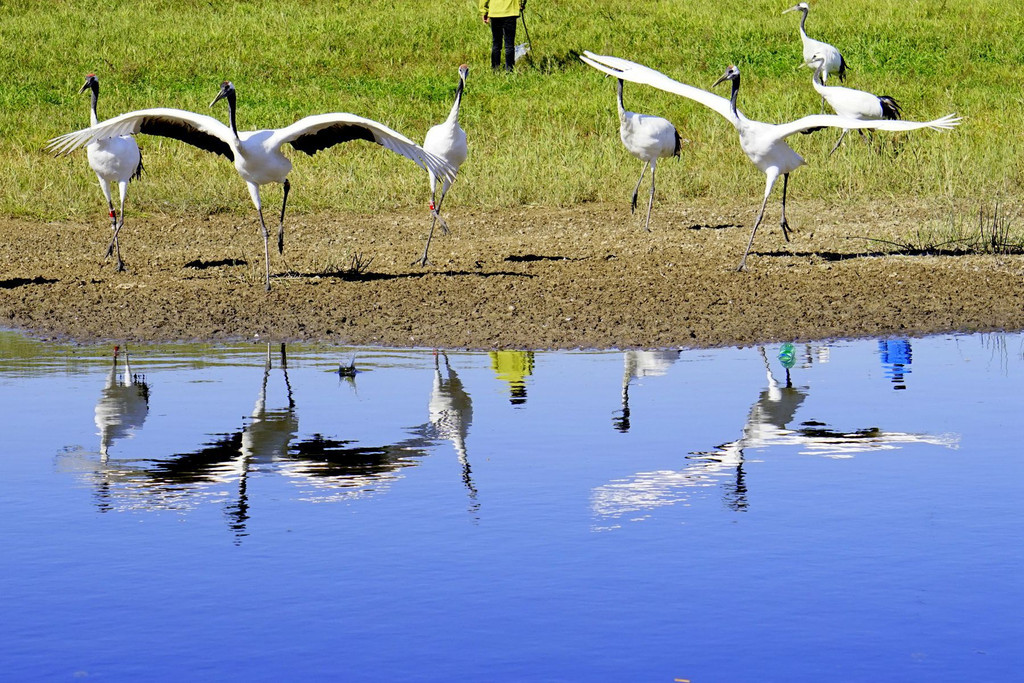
(451, 414)
(123, 404)
(332, 467)
(896, 356)
(14, 282)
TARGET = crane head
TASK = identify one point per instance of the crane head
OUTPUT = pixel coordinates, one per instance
(731, 74)
(227, 89)
(463, 71)
(802, 7)
(90, 82)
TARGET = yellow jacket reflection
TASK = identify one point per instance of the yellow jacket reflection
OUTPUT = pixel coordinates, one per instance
(513, 367)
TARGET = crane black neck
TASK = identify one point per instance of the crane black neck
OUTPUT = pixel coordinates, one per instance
(458, 100)
(819, 73)
(803, 20)
(94, 93)
(735, 92)
(230, 97)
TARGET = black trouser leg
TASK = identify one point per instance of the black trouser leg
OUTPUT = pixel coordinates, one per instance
(503, 30)
(495, 43)
(510, 42)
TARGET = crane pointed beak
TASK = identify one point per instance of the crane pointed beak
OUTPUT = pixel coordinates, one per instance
(791, 9)
(724, 77)
(83, 88)
(225, 89)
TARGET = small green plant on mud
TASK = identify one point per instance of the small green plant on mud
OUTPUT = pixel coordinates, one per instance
(358, 264)
(347, 265)
(991, 232)
(997, 234)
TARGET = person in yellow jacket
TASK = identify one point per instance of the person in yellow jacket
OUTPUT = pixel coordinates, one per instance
(501, 15)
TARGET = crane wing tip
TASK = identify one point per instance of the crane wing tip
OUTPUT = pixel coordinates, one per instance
(948, 122)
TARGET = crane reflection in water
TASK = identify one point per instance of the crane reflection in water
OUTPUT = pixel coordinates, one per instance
(768, 424)
(637, 365)
(451, 414)
(325, 468)
(123, 404)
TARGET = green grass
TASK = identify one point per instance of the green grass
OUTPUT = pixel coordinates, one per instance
(547, 135)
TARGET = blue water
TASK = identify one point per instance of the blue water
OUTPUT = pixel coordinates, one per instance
(846, 511)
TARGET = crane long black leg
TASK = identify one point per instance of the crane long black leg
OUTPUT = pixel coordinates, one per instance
(650, 202)
(117, 246)
(113, 226)
(280, 230)
(840, 140)
(769, 183)
(423, 260)
(266, 245)
(637, 188)
(117, 229)
(785, 223)
(437, 211)
(750, 242)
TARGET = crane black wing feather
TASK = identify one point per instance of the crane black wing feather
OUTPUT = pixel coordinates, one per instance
(198, 130)
(326, 137)
(320, 131)
(184, 131)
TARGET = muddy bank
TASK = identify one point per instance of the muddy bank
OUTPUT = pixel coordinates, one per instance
(534, 278)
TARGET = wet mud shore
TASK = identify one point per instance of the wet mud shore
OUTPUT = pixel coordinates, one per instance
(536, 278)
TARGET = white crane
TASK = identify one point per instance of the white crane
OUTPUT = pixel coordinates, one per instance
(114, 160)
(854, 104)
(257, 154)
(448, 141)
(833, 60)
(648, 138)
(763, 143)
